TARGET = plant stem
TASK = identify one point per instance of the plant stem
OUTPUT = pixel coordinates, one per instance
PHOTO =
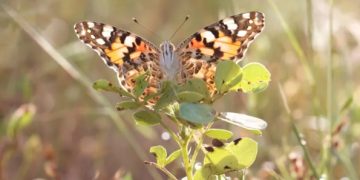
(184, 151)
(163, 169)
(297, 134)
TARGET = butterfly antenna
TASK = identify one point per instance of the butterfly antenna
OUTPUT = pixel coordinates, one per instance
(180, 26)
(147, 29)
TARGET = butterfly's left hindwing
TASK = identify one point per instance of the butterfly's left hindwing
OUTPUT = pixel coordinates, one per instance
(227, 39)
(126, 53)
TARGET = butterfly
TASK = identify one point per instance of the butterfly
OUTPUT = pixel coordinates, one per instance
(196, 57)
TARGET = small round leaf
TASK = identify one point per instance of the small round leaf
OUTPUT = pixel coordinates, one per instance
(221, 134)
(237, 155)
(228, 74)
(255, 78)
(147, 118)
(160, 154)
(127, 105)
(196, 113)
(190, 96)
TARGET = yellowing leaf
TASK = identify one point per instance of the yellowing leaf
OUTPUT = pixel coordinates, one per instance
(160, 154)
(255, 78)
(221, 134)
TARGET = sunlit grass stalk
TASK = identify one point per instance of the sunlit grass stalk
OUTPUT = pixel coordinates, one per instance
(330, 91)
(294, 43)
(297, 133)
(64, 63)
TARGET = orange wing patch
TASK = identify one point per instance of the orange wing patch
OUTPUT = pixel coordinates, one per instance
(227, 39)
(126, 53)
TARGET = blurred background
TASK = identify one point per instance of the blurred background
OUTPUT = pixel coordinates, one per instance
(55, 126)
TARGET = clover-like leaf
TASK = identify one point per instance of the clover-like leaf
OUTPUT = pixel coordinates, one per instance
(147, 118)
(140, 84)
(196, 113)
(245, 150)
(127, 105)
(237, 155)
(190, 96)
(243, 120)
(196, 85)
(204, 173)
(174, 155)
(221, 134)
(160, 154)
(255, 78)
(167, 95)
(228, 74)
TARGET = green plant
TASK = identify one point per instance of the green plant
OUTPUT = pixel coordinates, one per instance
(188, 106)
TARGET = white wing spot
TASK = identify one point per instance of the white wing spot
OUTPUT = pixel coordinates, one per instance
(209, 36)
(129, 41)
(249, 28)
(232, 26)
(251, 21)
(246, 15)
(106, 34)
(100, 41)
(88, 31)
(82, 32)
(242, 33)
(92, 36)
(90, 24)
(108, 28)
(228, 21)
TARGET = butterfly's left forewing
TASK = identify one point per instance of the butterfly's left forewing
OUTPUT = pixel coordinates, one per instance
(126, 53)
(227, 39)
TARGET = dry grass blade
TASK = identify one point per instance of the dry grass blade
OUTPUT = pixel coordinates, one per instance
(294, 43)
(69, 68)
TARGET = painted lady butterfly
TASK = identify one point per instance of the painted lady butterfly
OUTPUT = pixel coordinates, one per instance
(196, 57)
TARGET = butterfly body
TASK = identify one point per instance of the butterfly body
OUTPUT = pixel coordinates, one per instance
(196, 57)
(169, 61)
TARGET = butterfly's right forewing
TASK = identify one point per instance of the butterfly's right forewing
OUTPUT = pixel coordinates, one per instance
(128, 54)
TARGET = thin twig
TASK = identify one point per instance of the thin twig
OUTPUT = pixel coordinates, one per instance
(297, 133)
(163, 169)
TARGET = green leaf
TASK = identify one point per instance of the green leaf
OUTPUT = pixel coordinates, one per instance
(105, 85)
(245, 150)
(221, 134)
(255, 78)
(243, 120)
(204, 173)
(235, 156)
(147, 118)
(127, 105)
(174, 155)
(167, 95)
(140, 84)
(196, 85)
(20, 119)
(196, 113)
(256, 132)
(227, 75)
(190, 96)
(160, 154)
